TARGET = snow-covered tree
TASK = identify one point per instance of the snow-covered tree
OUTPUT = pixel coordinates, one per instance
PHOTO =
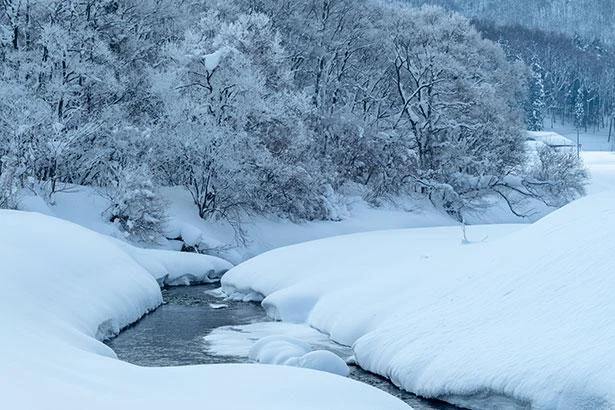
(136, 207)
(271, 107)
(25, 126)
(558, 177)
(9, 181)
(453, 103)
(233, 120)
(536, 101)
(579, 108)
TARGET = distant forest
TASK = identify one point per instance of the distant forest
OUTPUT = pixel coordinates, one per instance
(569, 47)
(592, 19)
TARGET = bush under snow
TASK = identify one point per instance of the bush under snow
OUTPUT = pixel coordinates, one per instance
(137, 208)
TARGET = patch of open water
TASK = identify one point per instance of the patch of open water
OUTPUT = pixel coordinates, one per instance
(173, 335)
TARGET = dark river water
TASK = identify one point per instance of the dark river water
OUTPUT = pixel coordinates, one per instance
(173, 335)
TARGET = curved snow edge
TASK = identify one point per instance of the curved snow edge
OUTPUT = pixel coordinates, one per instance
(465, 323)
(174, 268)
(242, 294)
(65, 287)
(110, 328)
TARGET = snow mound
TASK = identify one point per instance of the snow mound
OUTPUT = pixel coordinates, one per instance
(190, 235)
(172, 268)
(516, 321)
(293, 279)
(65, 288)
(322, 360)
(238, 340)
(278, 349)
(551, 139)
(289, 351)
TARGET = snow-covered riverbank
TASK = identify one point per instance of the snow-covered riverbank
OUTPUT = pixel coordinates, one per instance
(520, 317)
(66, 287)
(441, 325)
(192, 327)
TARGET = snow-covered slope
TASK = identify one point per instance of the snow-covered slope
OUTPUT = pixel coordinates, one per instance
(65, 287)
(601, 166)
(263, 233)
(524, 319)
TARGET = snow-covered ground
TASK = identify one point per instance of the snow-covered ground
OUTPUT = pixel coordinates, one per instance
(551, 139)
(590, 140)
(86, 206)
(266, 233)
(601, 166)
(519, 317)
(65, 288)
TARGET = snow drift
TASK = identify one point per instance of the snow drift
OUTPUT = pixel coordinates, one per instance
(64, 287)
(522, 320)
(290, 351)
(176, 268)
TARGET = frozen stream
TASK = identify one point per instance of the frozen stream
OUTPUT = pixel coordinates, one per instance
(173, 336)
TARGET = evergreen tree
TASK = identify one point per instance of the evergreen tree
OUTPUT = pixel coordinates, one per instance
(535, 106)
(579, 108)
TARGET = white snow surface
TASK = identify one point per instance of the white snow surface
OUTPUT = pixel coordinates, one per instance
(65, 288)
(238, 340)
(212, 61)
(266, 233)
(284, 343)
(290, 351)
(551, 139)
(173, 268)
(520, 319)
(85, 206)
(601, 166)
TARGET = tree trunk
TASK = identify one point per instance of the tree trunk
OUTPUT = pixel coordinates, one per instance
(15, 37)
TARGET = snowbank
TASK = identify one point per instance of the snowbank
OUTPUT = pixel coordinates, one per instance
(171, 268)
(294, 278)
(523, 319)
(65, 288)
(265, 233)
(290, 351)
(85, 206)
(184, 228)
(238, 340)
